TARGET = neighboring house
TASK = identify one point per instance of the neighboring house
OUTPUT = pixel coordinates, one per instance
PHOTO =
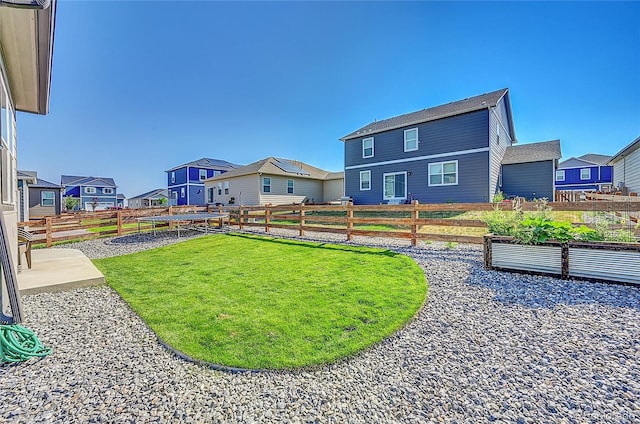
(276, 181)
(93, 193)
(185, 183)
(448, 153)
(588, 172)
(528, 170)
(626, 168)
(26, 52)
(150, 199)
(38, 197)
(120, 199)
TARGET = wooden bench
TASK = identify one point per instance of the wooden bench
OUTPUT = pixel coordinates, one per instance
(25, 238)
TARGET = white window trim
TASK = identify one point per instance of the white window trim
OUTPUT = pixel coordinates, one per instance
(585, 169)
(443, 183)
(266, 185)
(406, 183)
(226, 187)
(53, 197)
(173, 177)
(107, 190)
(368, 173)
(364, 156)
(202, 177)
(420, 158)
(182, 192)
(405, 139)
(90, 190)
(292, 187)
(560, 172)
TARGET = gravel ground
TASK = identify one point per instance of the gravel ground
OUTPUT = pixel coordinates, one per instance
(487, 346)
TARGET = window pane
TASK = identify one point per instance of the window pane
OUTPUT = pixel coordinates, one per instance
(435, 168)
(449, 179)
(399, 187)
(435, 179)
(389, 185)
(450, 167)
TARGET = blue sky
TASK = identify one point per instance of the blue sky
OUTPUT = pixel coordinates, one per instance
(140, 87)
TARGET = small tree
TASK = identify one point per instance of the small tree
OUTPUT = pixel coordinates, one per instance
(94, 204)
(70, 203)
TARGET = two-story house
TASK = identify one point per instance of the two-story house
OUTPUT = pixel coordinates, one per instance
(589, 172)
(92, 193)
(185, 183)
(26, 52)
(446, 153)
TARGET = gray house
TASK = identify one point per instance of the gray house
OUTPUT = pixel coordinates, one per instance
(529, 170)
(150, 199)
(448, 153)
(38, 197)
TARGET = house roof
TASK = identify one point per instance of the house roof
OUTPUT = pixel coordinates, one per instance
(532, 152)
(26, 36)
(590, 159)
(153, 194)
(208, 163)
(120, 196)
(29, 176)
(45, 184)
(459, 107)
(279, 166)
(595, 158)
(72, 180)
(630, 148)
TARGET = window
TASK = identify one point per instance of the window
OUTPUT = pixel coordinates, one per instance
(216, 173)
(90, 190)
(181, 191)
(367, 147)
(443, 173)
(365, 180)
(48, 198)
(560, 175)
(203, 174)
(290, 186)
(226, 187)
(410, 139)
(266, 185)
(173, 177)
(585, 173)
(395, 185)
(107, 190)
(219, 189)
(210, 195)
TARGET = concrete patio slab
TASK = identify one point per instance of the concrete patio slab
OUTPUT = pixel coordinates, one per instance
(56, 270)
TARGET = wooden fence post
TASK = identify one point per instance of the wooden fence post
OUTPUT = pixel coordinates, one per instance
(349, 220)
(119, 223)
(301, 219)
(487, 245)
(240, 217)
(49, 232)
(414, 226)
(267, 217)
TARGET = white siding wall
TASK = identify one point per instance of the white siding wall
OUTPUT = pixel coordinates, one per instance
(333, 190)
(627, 171)
(496, 149)
(243, 189)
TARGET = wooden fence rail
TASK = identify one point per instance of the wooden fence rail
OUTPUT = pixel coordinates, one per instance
(413, 222)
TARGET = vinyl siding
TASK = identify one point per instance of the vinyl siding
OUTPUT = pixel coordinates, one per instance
(498, 115)
(460, 132)
(627, 171)
(572, 176)
(473, 180)
(36, 209)
(303, 188)
(244, 190)
(181, 177)
(196, 195)
(532, 180)
(332, 190)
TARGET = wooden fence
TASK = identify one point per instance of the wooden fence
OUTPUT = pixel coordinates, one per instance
(455, 222)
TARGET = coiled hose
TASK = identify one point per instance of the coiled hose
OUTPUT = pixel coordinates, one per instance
(18, 344)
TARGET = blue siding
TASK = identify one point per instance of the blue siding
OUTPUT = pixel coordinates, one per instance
(181, 177)
(196, 195)
(533, 180)
(460, 132)
(72, 191)
(473, 181)
(572, 180)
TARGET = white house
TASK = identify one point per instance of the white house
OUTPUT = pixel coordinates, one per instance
(626, 168)
(26, 51)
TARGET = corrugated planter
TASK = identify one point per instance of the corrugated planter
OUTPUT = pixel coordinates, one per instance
(601, 261)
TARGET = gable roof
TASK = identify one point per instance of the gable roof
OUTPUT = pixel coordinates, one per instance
(470, 104)
(630, 148)
(532, 152)
(120, 196)
(590, 159)
(29, 176)
(278, 166)
(595, 158)
(73, 180)
(153, 194)
(208, 163)
(45, 184)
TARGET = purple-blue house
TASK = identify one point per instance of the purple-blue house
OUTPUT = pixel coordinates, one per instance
(588, 172)
(185, 183)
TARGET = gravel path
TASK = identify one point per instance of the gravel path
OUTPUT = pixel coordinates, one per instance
(487, 346)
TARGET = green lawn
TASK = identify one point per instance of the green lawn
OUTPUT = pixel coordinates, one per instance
(257, 302)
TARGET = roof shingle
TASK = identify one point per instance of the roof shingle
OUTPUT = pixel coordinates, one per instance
(532, 152)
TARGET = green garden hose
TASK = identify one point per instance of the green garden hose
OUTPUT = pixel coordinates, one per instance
(18, 344)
